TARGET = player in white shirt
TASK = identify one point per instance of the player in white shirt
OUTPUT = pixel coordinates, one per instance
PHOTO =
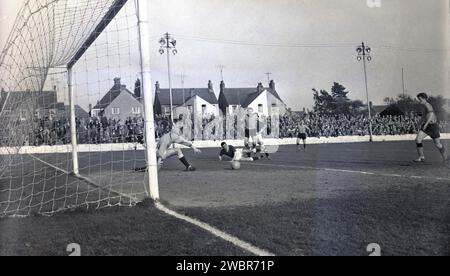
(254, 130)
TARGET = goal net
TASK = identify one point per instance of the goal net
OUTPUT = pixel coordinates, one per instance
(88, 49)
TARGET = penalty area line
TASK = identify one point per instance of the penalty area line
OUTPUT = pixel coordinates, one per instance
(216, 232)
(352, 172)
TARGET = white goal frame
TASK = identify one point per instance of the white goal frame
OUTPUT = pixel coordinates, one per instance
(146, 88)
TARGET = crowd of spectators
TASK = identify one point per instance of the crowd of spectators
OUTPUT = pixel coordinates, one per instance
(342, 125)
(90, 131)
(103, 130)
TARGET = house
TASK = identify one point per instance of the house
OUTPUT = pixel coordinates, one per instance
(199, 101)
(63, 112)
(28, 104)
(262, 100)
(119, 103)
(395, 110)
(392, 110)
(376, 109)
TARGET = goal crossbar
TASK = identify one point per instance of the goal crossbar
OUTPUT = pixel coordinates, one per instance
(109, 16)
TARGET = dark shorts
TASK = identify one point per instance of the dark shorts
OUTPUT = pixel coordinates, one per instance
(302, 136)
(433, 131)
(250, 133)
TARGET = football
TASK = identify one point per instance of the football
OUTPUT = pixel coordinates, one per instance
(235, 165)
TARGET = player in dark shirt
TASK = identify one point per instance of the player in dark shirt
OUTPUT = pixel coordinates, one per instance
(429, 127)
(236, 154)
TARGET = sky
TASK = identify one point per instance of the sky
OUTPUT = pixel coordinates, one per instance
(304, 44)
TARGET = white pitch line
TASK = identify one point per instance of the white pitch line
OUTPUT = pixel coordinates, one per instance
(352, 172)
(216, 232)
(85, 179)
(48, 164)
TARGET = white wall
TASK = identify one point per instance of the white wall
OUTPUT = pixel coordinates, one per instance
(266, 99)
(197, 102)
(206, 144)
(230, 109)
(125, 102)
(262, 99)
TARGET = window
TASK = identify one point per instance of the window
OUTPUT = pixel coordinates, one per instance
(136, 110)
(234, 108)
(115, 111)
(167, 110)
(204, 109)
(274, 107)
(190, 108)
(260, 108)
(37, 114)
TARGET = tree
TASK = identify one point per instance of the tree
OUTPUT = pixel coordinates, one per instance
(335, 103)
(438, 104)
(355, 107)
(323, 102)
(341, 100)
(409, 105)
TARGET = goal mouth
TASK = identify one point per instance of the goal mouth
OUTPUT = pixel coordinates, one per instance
(72, 108)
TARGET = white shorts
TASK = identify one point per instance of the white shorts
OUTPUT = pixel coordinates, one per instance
(238, 155)
(258, 139)
(164, 154)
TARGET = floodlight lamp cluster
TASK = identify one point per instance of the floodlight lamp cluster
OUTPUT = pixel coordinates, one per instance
(363, 52)
(168, 44)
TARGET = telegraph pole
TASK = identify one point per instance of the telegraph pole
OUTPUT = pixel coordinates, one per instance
(364, 55)
(403, 82)
(221, 68)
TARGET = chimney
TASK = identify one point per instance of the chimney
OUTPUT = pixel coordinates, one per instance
(272, 85)
(157, 87)
(117, 81)
(137, 88)
(210, 85)
(260, 87)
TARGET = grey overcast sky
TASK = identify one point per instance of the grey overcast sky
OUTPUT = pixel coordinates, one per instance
(305, 44)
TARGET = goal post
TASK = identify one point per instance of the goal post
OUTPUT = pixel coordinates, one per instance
(146, 87)
(73, 124)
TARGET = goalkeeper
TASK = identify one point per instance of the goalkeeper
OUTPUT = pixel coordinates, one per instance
(164, 149)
